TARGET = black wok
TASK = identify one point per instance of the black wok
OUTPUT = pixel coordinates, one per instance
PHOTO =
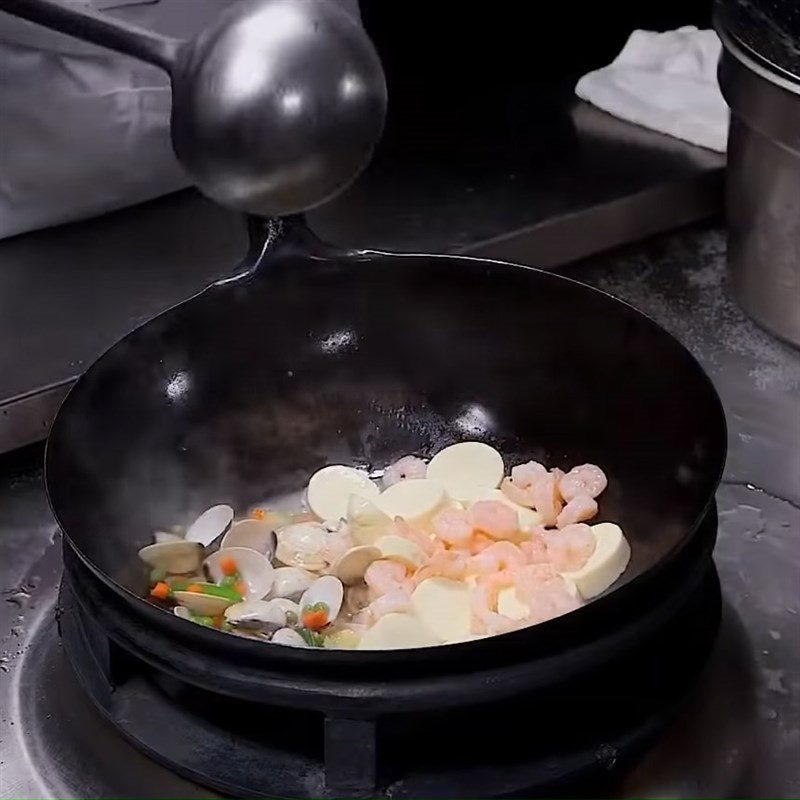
(312, 356)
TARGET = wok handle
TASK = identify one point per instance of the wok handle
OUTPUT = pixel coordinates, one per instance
(97, 29)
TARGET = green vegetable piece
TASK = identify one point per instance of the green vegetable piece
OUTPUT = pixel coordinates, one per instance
(230, 581)
(201, 619)
(157, 575)
(314, 607)
(311, 638)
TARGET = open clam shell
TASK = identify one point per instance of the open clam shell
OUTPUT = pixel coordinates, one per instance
(302, 545)
(262, 615)
(211, 524)
(291, 582)
(256, 570)
(173, 557)
(162, 537)
(350, 567)
(252, 533)
(209, 605)
(327, 589)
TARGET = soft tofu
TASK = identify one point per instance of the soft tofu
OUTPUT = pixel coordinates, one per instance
(365, 521)
(609, 560)
(395, 632)
(465, 468)
(415, 500)
(444, 606)
(396, 548)
(330, 488)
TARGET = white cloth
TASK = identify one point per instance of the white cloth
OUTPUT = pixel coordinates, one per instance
(666, 82)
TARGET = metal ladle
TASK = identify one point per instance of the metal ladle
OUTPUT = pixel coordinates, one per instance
(276, 107)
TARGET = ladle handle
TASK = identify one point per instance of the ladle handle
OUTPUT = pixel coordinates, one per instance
(97, 29)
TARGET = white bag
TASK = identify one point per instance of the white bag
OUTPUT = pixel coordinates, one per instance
(84, 130)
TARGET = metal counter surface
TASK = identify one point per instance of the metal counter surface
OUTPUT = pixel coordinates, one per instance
(738, 734)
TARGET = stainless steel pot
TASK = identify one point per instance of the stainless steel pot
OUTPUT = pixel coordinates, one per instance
(763, 188)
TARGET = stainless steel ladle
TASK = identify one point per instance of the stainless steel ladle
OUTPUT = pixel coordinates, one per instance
(275, 108)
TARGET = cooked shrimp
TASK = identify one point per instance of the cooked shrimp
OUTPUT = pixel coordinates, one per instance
(478, 543)
(395, 601)
(384, 576)
(403, 469)
(453, 564)
(570, 548)
(546, 594)
(586, 480)
(453, 526)
(420, 538)
(579, 509)
(485, 617)
(546, 499)
(534, 549)
(498, 557)
(522, 497)
(523, 475)
(494, 518)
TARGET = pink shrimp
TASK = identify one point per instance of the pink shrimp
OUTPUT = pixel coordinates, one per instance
(453, 526)
(498, 557)
(570, 548)
(420, 538)
(579, 509)
(485, 617)
(516, 494)
(523, 475)
(534, 549)
(443, 563)
(586, 480)
(546, 593)
(384, 576)
(494, 518)
(546, 499)
(395, 601)
(403, 469)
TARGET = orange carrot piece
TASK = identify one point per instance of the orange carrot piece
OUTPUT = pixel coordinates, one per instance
(228, 566)
(160, 590)
(315, 620)
(259, 514)
(194, 587)
(241, 587)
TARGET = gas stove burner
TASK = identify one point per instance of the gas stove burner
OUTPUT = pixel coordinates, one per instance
(529, 724)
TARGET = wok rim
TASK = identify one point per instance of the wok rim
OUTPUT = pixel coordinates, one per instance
(333, 656)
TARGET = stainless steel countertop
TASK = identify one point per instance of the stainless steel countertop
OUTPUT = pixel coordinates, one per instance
(739, 733)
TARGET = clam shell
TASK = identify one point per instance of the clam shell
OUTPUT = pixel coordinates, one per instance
(350, 567)
(182, 612)
(208, 605)
(286, 605)
(291, 582)
(252, 533)
(210, 524)
(259, 614)
(302, 545)
(162, 537)
(174, 557)
(288, 636)
(255, 569)
(327, 589)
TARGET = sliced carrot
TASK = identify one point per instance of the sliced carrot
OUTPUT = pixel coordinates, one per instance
(241, 587)
(219, 620)
(194, 587)
(315, 620)
(259, 514)
(160, 590)
(228, 566)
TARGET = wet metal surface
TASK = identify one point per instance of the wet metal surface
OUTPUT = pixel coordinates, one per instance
(738, 734)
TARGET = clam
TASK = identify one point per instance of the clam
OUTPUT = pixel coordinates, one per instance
(211, 524)
(173, 557)
(182, 612)
(162, 537)
(289, 607)
(302, 545)
(261, 615)
(252, 533)
(288, 636)
(290, 582)
(350, 567)
(327, 590)
(208, 605)
(255, 569)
